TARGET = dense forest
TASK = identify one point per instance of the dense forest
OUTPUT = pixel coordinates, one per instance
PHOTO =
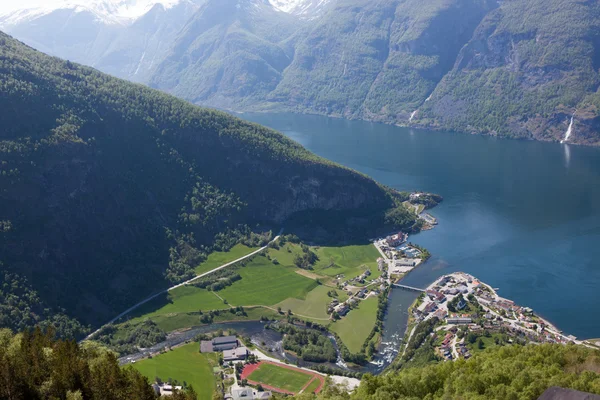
(110, 191)
(33, 365)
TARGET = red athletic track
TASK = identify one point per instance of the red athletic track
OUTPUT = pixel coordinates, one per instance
(250, 368)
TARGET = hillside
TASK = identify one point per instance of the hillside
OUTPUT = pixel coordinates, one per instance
(528, 68)
(110, 190)
(516, 68)
(513, 372)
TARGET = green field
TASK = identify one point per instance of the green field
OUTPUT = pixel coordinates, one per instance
(183, 364)
(264, 283)
(280, 377)
(219, 258)
(348, 260)
(285, 254)
(315, 304)
(314, 385)
(355, 327)
(181, 300)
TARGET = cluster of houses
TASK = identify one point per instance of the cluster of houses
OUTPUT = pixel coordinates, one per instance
(401, 257)
(494, 316)
(342, 308)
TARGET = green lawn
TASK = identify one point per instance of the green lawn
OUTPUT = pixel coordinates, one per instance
(219, 258)
(348, 260)
(183, 364)
(280, 377)
(355, 327)
(264, 283)
(315, 304)
(313, 386)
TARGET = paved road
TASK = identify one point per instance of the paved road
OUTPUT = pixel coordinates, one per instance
(130, 309)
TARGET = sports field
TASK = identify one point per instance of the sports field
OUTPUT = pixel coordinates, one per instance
(184, 363)
(355, 327)
(281, 378)
(219, 258)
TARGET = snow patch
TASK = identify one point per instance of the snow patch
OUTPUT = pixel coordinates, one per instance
(107, 11)
(298, 7)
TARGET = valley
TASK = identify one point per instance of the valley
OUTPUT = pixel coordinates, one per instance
(477, 66)
(289, 242)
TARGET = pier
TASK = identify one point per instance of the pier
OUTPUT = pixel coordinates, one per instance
(411, 288)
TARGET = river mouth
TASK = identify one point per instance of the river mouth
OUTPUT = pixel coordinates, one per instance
(523, 216)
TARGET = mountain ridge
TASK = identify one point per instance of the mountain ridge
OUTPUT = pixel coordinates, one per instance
(110, 189)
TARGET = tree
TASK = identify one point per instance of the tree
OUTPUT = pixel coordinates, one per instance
(480, 344)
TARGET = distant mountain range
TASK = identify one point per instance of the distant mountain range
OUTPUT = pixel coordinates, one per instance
(518, 68)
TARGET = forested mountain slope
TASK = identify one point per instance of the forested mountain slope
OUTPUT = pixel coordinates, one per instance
(513, 68)
(110, 190)
(231, 53)
(529, 67)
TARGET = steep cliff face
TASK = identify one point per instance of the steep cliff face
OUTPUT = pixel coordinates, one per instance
(109, 188)
(377, 60)
(228, 55)
(529, 67)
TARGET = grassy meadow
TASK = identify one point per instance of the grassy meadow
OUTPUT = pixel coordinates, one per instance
(355, 327)
(219, 258)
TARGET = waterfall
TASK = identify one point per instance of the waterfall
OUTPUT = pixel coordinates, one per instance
(569, 130)
(412, 115)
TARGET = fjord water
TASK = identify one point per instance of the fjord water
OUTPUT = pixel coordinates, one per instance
(522, 216)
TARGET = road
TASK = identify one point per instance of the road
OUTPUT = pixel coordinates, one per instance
(408, 341)
(130, 309)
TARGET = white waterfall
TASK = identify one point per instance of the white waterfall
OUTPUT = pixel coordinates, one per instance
(569, 130)
(412, 115)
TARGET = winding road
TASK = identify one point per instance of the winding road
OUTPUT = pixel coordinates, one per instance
(130, 309)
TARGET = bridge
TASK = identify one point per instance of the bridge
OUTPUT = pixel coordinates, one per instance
(411, 288)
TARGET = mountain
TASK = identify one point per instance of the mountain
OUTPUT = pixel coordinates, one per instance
(528, 68)
(120, 37)
(517, 68)
(229, 54)
(110, 190)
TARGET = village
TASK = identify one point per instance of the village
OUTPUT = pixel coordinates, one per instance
(469, 311)
(397, 259)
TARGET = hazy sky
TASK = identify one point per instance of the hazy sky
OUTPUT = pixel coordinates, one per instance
(10, 5)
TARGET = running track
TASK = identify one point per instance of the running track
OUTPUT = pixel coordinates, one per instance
(250, 368)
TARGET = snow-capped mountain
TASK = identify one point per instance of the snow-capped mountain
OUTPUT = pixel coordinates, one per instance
(104, 11)
(302, 8)
(120, 37)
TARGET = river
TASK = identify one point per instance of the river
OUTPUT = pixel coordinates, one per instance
(522, 216)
